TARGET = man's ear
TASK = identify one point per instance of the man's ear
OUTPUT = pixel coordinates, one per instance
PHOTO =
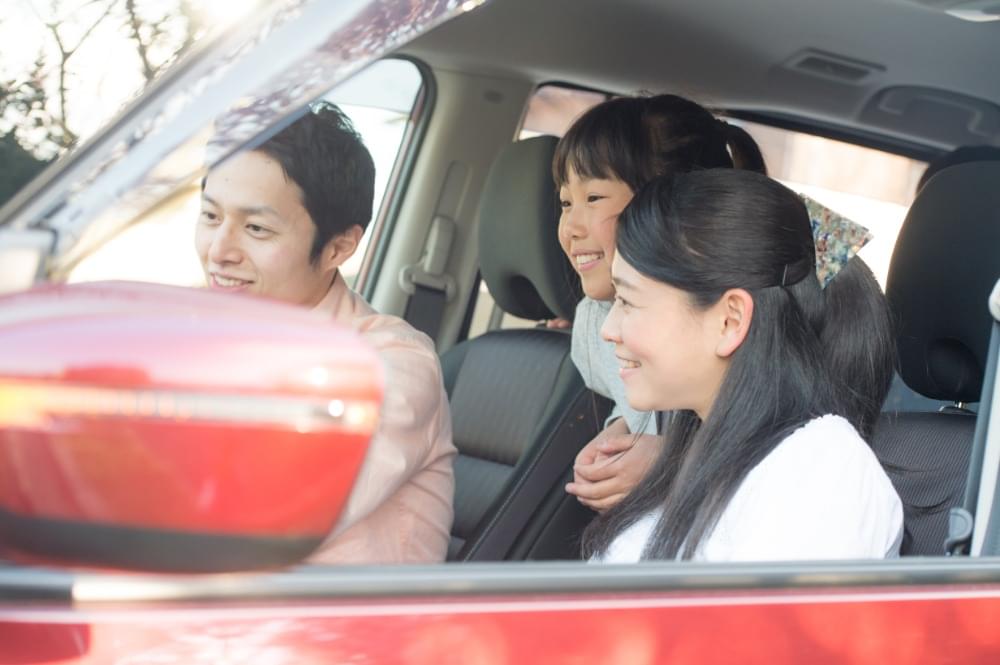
(735, 313)
(340, 248)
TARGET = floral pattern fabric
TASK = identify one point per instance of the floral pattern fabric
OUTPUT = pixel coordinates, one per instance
(837, 239)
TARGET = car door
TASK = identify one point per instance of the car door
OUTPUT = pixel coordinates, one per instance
(917, 610)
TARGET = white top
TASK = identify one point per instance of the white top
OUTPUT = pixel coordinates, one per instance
(596, 362)
(820, 494)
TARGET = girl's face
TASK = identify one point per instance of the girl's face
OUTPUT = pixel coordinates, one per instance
(590, 209)
(667, 348)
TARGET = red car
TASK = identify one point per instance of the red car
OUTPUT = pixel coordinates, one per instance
(161, 484)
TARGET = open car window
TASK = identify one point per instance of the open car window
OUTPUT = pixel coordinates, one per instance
(158, 246)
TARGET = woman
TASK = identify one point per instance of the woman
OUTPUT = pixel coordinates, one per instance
(720, 319)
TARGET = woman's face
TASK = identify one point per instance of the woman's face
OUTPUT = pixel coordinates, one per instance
(667, 348)
(590, 209)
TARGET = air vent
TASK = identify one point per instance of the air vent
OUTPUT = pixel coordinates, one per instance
(833, 67)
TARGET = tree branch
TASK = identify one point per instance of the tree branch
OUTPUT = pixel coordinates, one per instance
(68, 136)
(86, 33)
(134, 25)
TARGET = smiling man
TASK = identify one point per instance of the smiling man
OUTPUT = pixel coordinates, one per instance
(278, 222)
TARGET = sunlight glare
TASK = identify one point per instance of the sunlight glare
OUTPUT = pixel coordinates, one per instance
(221, 14)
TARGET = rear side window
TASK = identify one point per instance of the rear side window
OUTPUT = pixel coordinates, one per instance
(381, 101)
(871, 187)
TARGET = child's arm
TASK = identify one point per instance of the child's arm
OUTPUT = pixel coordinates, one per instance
(611, 465)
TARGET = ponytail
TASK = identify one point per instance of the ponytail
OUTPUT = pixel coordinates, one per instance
(858, 339)
(744, 150)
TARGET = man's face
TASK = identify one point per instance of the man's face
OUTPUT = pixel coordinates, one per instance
(254, 235)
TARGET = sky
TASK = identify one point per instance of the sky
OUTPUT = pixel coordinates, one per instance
(105, 72)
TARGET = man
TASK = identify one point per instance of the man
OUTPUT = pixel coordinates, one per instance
(279, 221)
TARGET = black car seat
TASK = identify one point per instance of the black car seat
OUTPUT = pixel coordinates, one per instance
(520, 410)
(945, 263)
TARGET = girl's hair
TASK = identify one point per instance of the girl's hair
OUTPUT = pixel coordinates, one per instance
(635, 139)
(862, 362)
(709, 231)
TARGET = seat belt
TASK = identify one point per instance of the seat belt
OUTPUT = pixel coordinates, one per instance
(962, 519)
(534, 478)
(426, 282)
(425, 308)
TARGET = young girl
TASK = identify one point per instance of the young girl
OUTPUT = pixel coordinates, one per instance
(719, 318)
(606, 156)
(609, 153)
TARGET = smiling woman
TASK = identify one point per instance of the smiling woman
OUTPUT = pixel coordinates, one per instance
(720, 321)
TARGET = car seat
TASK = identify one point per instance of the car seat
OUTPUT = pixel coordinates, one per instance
(520, 410)
(945, 263)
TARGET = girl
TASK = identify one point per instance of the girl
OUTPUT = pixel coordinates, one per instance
(719, 318)
(608, 154)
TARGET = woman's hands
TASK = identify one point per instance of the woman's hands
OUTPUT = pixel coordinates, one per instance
(611, 465)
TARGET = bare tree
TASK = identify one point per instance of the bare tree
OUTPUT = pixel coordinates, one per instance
(158, 32)
(36, 118)
(65, 52)
(28, 136)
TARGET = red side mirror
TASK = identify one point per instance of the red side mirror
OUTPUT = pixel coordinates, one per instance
(167, 429)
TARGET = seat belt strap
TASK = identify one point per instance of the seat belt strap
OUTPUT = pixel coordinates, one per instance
(428, 285)
(425, 309)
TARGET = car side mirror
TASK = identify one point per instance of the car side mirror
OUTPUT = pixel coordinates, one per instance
(158, 428)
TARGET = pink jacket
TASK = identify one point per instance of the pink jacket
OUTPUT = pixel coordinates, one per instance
(400, 510)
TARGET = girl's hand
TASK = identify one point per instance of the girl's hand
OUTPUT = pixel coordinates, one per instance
(611, 465)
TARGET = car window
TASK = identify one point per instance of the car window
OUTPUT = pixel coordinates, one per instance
(158, 247)
(871, 187)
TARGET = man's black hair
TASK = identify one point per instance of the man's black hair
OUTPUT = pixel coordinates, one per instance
(324, 155)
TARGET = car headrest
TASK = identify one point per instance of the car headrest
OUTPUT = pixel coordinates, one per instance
(520, 258)
(944, 265)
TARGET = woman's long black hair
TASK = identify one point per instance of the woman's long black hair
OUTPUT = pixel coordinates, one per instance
(705, 232)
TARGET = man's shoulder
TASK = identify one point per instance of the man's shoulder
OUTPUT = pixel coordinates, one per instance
(408, 355)
(387, 329)
(384, 331)
(387, 332)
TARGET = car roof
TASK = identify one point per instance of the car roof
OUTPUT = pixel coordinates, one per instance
(829, 62)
